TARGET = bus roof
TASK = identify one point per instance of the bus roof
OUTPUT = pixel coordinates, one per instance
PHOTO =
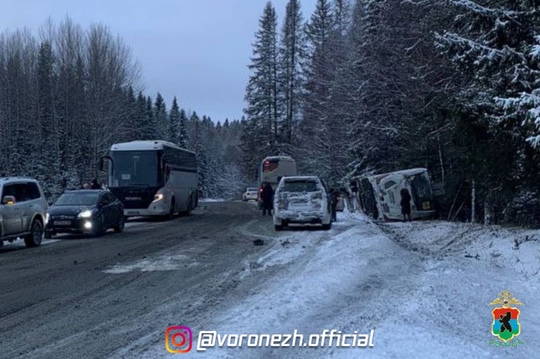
(145, 146)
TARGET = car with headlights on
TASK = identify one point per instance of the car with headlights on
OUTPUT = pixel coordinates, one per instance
(87, 211)
(302, 200)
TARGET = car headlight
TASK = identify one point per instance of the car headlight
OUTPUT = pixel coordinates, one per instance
(85, 214)
(158, 197)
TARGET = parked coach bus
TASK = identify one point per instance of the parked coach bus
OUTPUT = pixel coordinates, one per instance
(153, 178)
(272, 168)
(379, 195)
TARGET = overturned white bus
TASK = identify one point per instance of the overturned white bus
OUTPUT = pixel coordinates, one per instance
(379, 195)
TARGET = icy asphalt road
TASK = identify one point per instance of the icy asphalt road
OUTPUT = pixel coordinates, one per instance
(81, 297)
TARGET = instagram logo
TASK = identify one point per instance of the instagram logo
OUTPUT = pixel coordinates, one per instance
(180, 338)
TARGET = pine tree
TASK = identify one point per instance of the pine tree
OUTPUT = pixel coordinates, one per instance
(261, 91)
(313, 129)
(49, 158)
(160, 118)
(496, 46)
(174, 122)
(182, 129)
(292, 53)
(150, 127)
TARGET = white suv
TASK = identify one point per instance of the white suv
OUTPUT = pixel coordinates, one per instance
(23, 210)
(302, 199)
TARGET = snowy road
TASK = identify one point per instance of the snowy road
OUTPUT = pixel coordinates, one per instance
(85, 297)
(423, 287)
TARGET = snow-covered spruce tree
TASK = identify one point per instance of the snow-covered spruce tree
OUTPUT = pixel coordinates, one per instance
(261, 91)
(131, 113)
(251, 156)
(174, 122)
(373, 89)
(494, 43)
(48, 159)
(182, 129)
(149, 129)
(140, 120)
(160, 118)
(197, 145)
(336, 119)
(291, 57)
(313, 133)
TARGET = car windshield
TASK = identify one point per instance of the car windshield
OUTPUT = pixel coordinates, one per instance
(300, 186)
(78, 199)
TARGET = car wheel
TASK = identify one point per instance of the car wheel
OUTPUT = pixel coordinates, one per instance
(48, 234)
(36, 235)
(120, 225)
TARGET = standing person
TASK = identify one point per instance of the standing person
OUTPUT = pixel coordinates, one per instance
(406, 204)
(334, 198)
(267, 196)
(95, 184)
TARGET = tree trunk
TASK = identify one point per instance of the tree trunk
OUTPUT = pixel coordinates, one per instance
(473, 202)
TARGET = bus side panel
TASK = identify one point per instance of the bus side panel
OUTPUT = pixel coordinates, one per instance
(184, 185)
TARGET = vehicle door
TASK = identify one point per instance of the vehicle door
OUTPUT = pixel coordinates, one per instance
(29, 202)
(117, 209)
(106, 209)
(11, 211)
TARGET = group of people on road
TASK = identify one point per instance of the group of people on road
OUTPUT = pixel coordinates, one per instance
(267, 201)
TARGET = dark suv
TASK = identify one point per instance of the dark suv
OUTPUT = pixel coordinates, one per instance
(23, 210)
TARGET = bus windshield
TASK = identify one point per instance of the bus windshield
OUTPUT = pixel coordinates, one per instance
(135, 168)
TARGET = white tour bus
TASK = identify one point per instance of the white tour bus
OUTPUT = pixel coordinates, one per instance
(153, 178)
(272, 168)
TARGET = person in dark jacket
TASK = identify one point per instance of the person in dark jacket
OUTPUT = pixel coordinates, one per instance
(267, 196)
(406, 204)
(334, 198)
(95, 184)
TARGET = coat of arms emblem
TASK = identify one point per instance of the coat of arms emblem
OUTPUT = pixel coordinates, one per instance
(505, 320)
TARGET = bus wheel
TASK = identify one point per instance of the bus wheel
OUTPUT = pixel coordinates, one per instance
(171, 210)
(190, 206)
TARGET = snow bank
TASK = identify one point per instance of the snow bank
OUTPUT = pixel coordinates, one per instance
(423, 287)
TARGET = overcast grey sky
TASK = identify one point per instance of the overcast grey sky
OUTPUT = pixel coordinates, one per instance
(196, 50)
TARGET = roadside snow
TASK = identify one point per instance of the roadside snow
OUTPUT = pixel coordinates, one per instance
(423, 287)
